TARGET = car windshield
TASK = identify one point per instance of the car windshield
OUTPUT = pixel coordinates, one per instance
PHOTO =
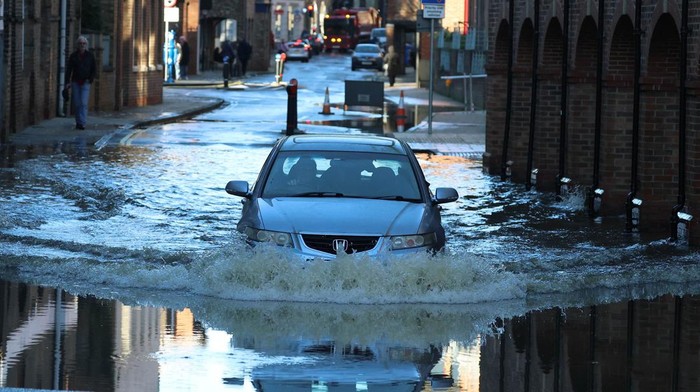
(367, 49)
(378, 33)
(342, 174)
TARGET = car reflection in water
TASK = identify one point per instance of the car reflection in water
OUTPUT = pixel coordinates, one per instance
(326, 195)
(329, 367)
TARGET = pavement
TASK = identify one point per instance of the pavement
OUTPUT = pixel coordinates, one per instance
(452, 131)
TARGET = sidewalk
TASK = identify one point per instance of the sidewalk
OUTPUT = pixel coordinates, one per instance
(453, 131)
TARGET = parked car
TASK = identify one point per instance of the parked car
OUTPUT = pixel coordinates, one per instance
(299, 50)
(321, 195)
(367, 56)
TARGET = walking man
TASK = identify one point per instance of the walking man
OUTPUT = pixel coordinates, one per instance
(80, 73)
(184, 57)
(244, 52)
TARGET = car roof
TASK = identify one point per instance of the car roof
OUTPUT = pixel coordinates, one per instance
(357, 143)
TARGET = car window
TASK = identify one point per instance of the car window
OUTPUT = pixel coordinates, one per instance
(347, 174)
(367, 49)
(378, 33)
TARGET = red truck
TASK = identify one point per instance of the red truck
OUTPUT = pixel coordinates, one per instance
(344, 28)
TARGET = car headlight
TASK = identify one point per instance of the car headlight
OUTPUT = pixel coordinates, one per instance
(275, 237)
(412, 241)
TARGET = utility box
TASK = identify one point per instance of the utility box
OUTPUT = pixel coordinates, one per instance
(364, 93)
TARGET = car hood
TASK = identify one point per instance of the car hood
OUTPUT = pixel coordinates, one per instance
(342, 216)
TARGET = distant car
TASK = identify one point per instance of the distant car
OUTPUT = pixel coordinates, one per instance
(299, 50)
(320, 195)
(378, 36)
(367, 56)
(316, 42)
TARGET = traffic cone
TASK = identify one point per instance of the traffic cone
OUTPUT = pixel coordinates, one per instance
(400, 115)
(326, 104)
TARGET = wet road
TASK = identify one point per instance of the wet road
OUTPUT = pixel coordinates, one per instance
(121, 270)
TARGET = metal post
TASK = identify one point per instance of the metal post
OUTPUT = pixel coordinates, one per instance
(227, 72)
(430, 87)
(291, 108)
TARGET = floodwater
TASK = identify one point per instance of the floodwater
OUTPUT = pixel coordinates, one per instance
(120, 269)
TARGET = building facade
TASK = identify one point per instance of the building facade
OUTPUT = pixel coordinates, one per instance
(38, 36)
(128, 38)
(601, 96)
(229, 20)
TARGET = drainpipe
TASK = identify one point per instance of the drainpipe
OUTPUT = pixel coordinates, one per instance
(532, 177)
(634, 204)
(630, 345)
(118, 58)
(592, 360)
(677, 338)
(562, 181)
(595, 194)
(506, 163)
(62, 45)
(4, 133)
(679, 219)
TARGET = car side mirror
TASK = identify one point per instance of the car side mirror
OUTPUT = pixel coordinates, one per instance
(238, 188)
(446, 195)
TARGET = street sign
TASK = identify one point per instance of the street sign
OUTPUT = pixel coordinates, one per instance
(171, 14)
(423, 25)
(424, 2)
(433, 11)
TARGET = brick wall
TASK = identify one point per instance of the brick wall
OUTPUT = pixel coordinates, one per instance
(657, 179)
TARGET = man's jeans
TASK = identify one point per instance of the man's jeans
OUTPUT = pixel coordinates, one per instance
(81, 95)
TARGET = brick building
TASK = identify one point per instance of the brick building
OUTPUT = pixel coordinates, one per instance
(38, 35)
(604, 95)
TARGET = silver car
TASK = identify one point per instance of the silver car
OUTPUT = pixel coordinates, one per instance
(324, 195)
(367, 56)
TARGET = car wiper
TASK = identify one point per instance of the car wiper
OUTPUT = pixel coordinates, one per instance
(396, 197)
(318, 194)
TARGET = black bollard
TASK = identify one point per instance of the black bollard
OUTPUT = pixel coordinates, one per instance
(227, 73)
(291, 108)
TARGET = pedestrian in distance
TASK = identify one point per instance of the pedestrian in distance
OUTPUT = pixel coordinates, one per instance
(236, 63)
(81, 70)
(183, 59)
(228, 56)
(245, 50)
(391, 59)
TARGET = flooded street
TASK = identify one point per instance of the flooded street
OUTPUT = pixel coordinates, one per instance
(134, 279)
(120, 269)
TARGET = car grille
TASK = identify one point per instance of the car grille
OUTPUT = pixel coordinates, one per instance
(324, 243)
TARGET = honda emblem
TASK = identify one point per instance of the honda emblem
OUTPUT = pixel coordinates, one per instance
(340, 244)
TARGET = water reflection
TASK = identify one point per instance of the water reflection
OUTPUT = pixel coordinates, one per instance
(55, 340)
